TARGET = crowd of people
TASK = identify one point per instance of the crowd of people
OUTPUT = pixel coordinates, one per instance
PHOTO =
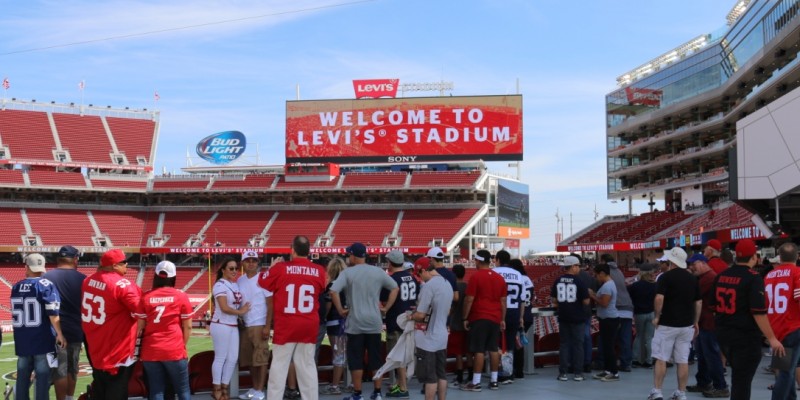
(683, 308)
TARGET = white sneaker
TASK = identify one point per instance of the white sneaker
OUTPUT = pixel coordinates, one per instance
(248, 395)
(259, 395)
(678, 395)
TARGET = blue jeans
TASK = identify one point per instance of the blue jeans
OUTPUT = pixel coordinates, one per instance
(570, 347)
(25, 366)
(159, 371)
(625, 341)
(587, 343)
(784, 383)
(644, 337)
(709, 361)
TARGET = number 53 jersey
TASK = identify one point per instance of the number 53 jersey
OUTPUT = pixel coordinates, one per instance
(108, 306)
(738, 295)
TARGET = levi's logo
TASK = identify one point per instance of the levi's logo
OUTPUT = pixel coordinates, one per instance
(375, 87)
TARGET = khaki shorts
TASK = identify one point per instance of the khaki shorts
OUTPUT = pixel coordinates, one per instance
(672, 344)
(253, 349)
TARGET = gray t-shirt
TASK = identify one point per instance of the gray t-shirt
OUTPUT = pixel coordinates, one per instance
(611, 311)
(362, 286)
(435, 299)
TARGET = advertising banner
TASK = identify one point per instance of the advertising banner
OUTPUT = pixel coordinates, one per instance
(223, 147)
(619, 246)
(513, 217)
(405, 130)
(644, 97)
(375, 87)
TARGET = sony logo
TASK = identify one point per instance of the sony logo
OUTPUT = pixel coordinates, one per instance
(402, 158)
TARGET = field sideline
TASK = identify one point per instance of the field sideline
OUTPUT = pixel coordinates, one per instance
(200, 341)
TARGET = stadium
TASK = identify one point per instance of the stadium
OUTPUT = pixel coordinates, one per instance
(707, 130)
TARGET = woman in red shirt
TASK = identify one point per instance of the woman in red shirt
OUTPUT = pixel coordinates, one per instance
(165, 318)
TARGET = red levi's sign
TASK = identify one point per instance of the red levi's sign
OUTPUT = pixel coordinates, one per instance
(644, 97)
(418, 129)
(375, 88)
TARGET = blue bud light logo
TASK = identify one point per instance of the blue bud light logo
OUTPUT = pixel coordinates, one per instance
(222, 147)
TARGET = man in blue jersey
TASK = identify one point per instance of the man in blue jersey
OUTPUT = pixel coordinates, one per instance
(68, 281)
(406, 301)
(570, 296)
(517, 288)
(35, 337)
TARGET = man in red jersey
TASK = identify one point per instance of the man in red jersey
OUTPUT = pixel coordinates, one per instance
(711, 252)
(108, 306)
(294, 307)
(782, 286)
(484, 315)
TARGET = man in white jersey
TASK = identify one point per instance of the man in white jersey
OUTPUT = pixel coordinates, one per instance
(254, 343)
(517, 288)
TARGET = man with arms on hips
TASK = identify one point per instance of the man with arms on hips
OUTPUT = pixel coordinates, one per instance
(254, 343)
(35, 338)
(430, 333)
(741, 319)
(293, 309)
(516, 287)
(362, 284)
(109, 303)
(68, 281)
(712, 252)
(406, 301)
(710, 372)
(484, 317)
(782, 286)
(676, 315)
(570, 297)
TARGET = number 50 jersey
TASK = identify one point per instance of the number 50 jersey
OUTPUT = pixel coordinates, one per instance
(108, 305)
(33, 301)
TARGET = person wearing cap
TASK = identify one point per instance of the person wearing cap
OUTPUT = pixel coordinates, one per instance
(35, 337)
(436, 256)
(165, 319)
(253, 341)
(293, 309)
(570, 297)
(109, 303)
(517, 289)
(457, 340)
(676, 315)
(608, 318)
(484, 317)
(783, 292)
(643, 293)
(229, 305)
(663, 266)
(68, 281)
(710, 371)
(406, 301)
(362, 284)
(712, 252)
(741, 319)
(334, 326)
(430, 330)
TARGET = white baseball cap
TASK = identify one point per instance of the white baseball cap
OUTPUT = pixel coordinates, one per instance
(167, 268)
(249, 254)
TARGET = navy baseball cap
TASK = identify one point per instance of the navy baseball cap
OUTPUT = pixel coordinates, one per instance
(696, 257)
(69, 252)
(357, 249)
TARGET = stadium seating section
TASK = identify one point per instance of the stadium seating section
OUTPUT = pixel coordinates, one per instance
(27, 135)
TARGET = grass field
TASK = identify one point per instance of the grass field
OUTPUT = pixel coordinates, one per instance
(200, 341)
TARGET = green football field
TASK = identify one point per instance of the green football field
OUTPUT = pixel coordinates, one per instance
(200, 341)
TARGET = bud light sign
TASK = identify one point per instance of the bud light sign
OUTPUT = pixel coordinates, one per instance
(222, 147)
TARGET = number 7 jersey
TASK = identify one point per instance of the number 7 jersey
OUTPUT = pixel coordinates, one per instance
(108, 305)
(296, 287)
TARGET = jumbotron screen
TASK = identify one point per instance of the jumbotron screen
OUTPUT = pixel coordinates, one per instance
(513, 215)
(405, 129)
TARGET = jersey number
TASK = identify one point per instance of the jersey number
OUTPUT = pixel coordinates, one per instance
(777, 297)
(88, 314)
(566, 293)
(160, 310)
(304, 296)
(26, 312)
(513, 299)
(726, 300)
(408, 291)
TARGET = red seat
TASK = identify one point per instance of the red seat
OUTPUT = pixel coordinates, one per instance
(200, 372)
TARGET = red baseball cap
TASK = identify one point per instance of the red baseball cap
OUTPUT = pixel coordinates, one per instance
(111, 257)
(422, 263)
(745, 248)
(714, 244)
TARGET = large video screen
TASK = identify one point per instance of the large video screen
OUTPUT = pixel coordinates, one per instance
(405, 130)
(513, 210)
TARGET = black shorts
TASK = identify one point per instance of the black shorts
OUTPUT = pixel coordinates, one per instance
(484, 335)
(357, 344)
(430, 367)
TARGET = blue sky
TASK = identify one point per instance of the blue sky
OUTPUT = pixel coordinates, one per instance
(219, 76)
